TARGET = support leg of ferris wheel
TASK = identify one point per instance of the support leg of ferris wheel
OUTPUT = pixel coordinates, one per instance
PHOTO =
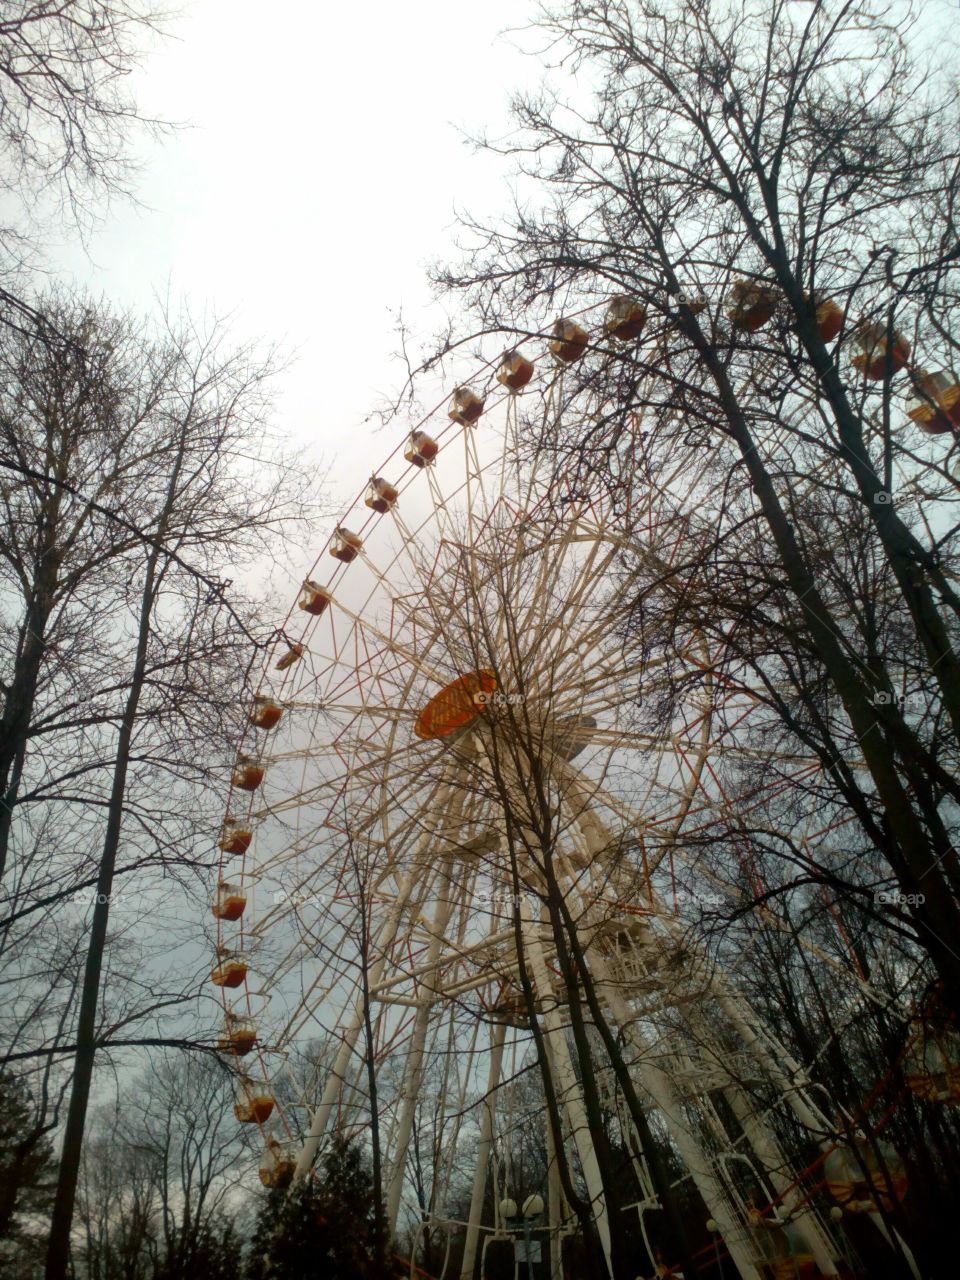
(773, 1161)
(812, 1119)
(819, 1242)
(773, 1065)
(413, 1075)
(555, 1213)
(567, 1087)
(658, 1084)
(483, 1151)
(816, 1124)
(321, 1115)
(881, 1226)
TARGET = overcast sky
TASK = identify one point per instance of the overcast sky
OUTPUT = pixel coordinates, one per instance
(319, 174)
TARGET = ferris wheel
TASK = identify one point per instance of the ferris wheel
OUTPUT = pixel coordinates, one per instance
(447, 726)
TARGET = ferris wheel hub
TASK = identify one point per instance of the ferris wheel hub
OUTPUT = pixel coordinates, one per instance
(456, 706)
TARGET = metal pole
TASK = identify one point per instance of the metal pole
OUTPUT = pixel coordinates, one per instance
(526, 1242)
(483, 1152)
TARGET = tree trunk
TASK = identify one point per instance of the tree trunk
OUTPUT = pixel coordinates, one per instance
(58, 1246)
(910, 855)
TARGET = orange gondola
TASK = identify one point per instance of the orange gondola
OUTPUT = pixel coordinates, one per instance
(753, 305)
(381, 496)
(936, 404)
(515, 371)
(266, 713)
(254, 1102)
(313, 599)
(248, 773)
(239, 1035)
(278, 1164)
(569, 341)
(294, 654)
(345, 546)
(862, 1178)
(625, 318)
(235, 836)
(872, 360)
(229, 902)
(466, 406)
(421, 449)
(230, 970)
(829, 318)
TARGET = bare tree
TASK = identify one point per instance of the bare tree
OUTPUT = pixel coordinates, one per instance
(178, 1115)
(143, 471)
(66, 120)
(742, 153)
(118, 1206)
(25, 1170)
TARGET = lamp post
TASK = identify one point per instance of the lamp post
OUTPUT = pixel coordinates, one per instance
(523, 1221)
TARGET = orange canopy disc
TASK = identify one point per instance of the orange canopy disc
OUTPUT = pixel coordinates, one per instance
(455, 706)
